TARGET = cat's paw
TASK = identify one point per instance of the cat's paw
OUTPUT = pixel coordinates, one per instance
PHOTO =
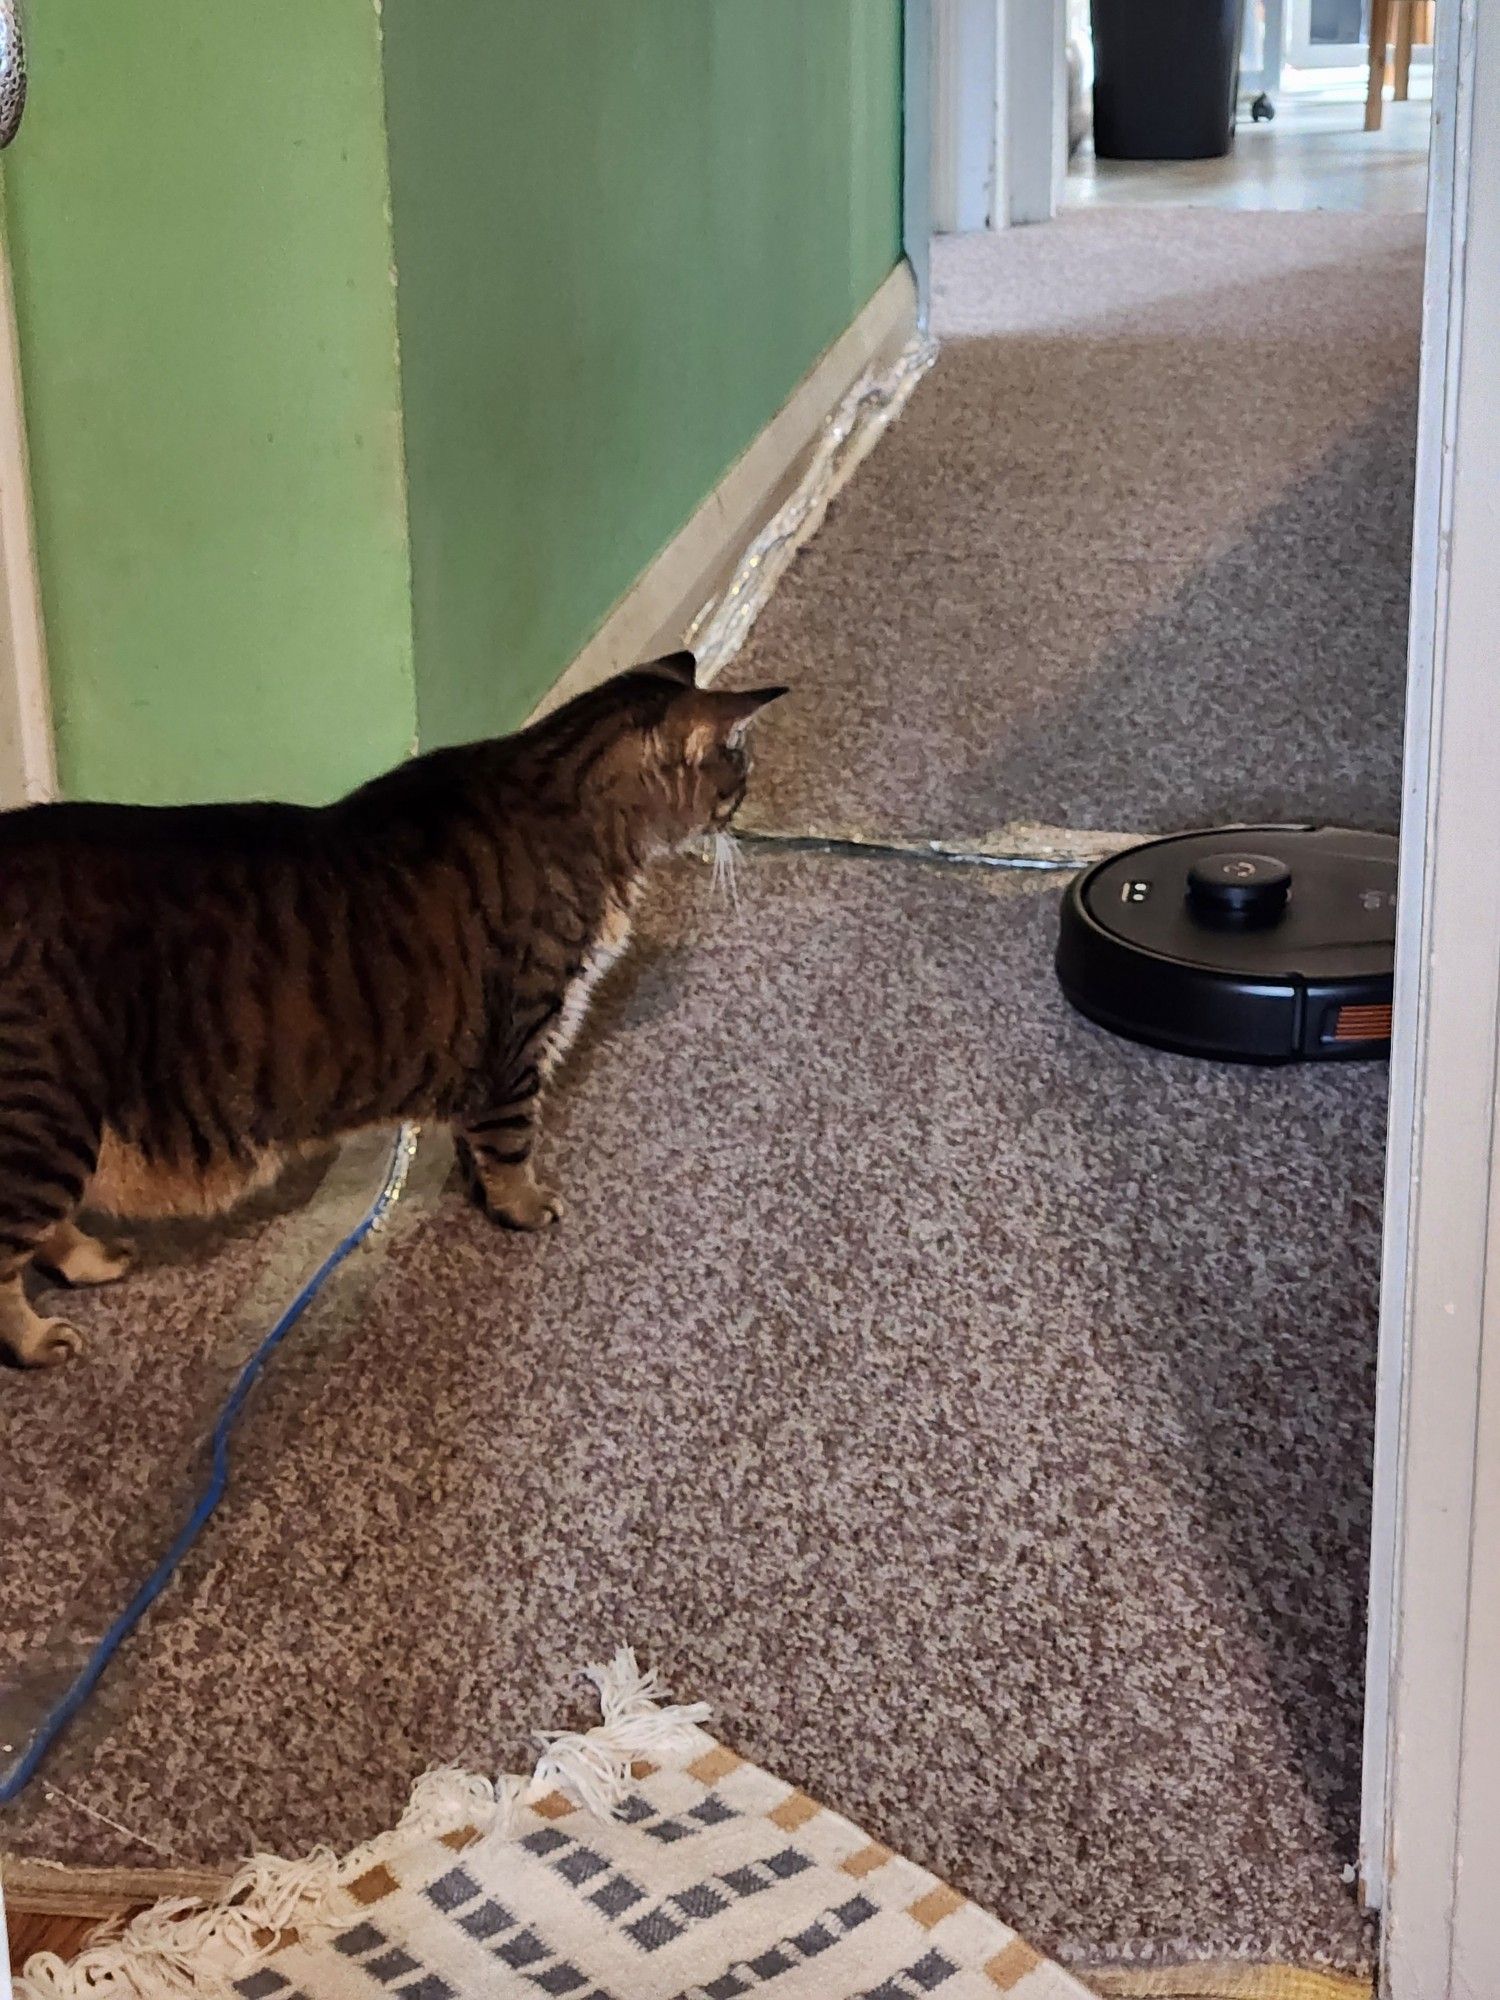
(46, 1343)
(529, 1207)
(85, 1260)
(507, 1192)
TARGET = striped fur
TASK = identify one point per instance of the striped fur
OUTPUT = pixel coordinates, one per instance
(191, 996)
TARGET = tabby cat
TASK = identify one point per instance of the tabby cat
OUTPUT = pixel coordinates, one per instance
(190, 996)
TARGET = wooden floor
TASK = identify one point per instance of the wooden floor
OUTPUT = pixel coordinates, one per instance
(31, 1933)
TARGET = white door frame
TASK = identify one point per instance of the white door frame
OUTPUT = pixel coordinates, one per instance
(968, 149)
(917, 77)
(1432, 1774)
(999, 105)
(1035, 54)
(28, 767)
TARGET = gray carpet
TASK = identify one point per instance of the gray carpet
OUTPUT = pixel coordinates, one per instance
(974, 1407)
(103, 1460)
(1137, 555)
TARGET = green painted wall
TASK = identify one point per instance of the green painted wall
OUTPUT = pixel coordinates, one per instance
(196, 210)
(624, 232)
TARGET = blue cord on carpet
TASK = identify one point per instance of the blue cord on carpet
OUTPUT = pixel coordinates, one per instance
(87, 1680)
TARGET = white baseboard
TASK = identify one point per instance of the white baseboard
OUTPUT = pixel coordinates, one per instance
(28, 768)
(654, 615)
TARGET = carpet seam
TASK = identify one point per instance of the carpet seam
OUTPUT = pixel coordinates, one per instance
(1074, 849)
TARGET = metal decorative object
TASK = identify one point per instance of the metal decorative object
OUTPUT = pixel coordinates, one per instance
(12, 71)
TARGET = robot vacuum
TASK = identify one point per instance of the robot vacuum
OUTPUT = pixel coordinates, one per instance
(1268, 944)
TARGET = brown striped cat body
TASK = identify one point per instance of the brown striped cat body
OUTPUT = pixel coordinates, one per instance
(191, 996)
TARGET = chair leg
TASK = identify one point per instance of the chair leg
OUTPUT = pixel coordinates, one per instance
(1406, 21)
(1380, 35)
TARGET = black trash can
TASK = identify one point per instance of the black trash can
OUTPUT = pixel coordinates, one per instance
(1166, 75)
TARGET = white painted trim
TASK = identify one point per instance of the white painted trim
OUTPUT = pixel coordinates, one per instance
(969, 166)
(916, 148)
(1446, 223)
(1433, 1851)
(947, 147)
(28, 767)
(1036, 107)
(999, 112)
(655, 613)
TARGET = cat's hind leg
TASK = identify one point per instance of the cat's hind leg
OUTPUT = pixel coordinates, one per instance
(49, 1144)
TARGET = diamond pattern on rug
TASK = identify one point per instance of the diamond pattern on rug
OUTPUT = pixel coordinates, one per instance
(715, 1881)
(821, 1935)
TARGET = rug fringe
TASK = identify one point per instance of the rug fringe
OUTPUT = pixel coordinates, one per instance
(595, 1766)
(185, 1947)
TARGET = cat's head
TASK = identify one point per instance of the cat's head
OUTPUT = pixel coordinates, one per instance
(684, 752)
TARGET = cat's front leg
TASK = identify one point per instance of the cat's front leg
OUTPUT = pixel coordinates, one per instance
(495, 1150)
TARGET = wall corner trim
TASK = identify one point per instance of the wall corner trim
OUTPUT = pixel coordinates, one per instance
(654, 615)
(28, 764)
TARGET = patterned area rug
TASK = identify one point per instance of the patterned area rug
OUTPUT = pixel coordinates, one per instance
(643, 1860)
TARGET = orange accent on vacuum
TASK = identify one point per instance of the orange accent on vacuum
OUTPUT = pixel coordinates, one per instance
(1362, 1024)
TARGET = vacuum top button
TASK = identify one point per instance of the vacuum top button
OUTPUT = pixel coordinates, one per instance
(1239, 887)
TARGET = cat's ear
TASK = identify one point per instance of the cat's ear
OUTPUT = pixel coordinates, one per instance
(733, 710)
(705, 720)
(680, 667)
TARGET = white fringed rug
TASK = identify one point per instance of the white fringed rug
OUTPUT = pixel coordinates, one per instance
(641, 1861)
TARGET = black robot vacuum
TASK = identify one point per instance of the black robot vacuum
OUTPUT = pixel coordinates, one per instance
(1266, 944)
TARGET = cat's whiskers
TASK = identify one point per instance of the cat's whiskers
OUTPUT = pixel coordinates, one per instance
(725, 877)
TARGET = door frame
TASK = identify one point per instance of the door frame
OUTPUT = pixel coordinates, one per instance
(998, 104)
(1431, 1832)
(917, 147)
(968, 173)
(28, 761)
